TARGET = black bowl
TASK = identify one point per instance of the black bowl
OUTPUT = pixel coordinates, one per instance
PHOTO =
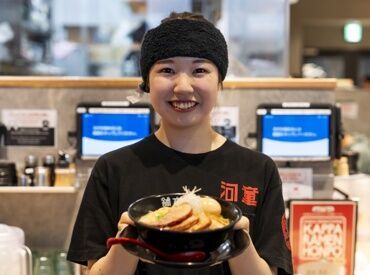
(175, 241)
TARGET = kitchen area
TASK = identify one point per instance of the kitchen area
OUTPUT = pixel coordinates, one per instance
(61, 61)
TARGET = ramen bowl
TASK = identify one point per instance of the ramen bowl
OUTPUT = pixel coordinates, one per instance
(206, 240)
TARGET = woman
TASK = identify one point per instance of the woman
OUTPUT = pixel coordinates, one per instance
(183, 63)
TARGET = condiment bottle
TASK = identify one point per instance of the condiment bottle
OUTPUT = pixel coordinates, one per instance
(49, 162)
(65, 171)
(42, 176)
(30, 163)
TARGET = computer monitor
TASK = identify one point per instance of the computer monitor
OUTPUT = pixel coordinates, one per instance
(106, 126)
(297, 131)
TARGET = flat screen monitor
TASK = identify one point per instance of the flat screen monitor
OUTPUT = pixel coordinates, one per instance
(296, 131)
(106, 126)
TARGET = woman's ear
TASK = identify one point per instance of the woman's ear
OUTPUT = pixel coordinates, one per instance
(143, 86)
(220, 86)
(137, 95)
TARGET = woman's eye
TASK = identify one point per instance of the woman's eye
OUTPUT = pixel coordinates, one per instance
(200, 71)
(166, 70)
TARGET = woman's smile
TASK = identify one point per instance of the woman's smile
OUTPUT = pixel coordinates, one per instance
(183, 105)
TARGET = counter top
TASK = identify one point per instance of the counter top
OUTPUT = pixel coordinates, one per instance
(132, 82)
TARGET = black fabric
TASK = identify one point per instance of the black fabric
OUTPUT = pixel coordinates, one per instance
(149, 167)
(183, 37)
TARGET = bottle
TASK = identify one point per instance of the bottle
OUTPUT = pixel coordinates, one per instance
(62, 266)
(341, 167)
(65, 171)
(30, 163)
(43, 266)
(42, 176)
(64, 159)
(49, 162)
(23, 180)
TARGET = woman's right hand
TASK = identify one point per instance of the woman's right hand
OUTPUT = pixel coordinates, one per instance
(124, 221)
(117, 260)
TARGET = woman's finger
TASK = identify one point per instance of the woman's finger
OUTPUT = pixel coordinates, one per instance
(243, 223)
(124, 221)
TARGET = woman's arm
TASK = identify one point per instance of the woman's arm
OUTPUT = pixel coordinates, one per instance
(249, 262)
(117, 261)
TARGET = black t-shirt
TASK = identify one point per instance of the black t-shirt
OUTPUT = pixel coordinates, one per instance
(148, 167)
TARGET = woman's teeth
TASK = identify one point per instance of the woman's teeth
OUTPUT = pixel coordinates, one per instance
(183, 105)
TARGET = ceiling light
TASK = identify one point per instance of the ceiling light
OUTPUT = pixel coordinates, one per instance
(352, 32)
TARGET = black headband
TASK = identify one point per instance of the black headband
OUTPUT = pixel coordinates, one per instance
(183, 37)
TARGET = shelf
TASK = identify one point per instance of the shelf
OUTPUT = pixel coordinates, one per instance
(38, 189)
(132, 82)
(353, 177)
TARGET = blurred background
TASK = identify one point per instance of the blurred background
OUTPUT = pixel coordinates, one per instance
(266, 38)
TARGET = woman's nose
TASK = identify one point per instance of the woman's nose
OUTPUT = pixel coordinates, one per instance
(183, 84)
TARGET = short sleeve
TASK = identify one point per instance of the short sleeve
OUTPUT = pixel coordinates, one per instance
(270, 236)
(94, 222)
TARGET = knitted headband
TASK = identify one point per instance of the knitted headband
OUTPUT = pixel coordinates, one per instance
(183, 37)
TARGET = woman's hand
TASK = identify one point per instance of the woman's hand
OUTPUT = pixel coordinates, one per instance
(124, 221)
(249, 262)
(243, 223)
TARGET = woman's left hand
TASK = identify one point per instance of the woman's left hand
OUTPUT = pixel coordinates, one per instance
(243, 223)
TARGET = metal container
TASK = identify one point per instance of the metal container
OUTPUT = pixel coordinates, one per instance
(42, 176)
(49, 162)
(30, 163)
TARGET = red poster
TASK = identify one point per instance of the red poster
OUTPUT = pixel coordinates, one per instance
(323, 235)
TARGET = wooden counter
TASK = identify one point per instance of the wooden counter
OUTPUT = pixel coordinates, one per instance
(132, 82)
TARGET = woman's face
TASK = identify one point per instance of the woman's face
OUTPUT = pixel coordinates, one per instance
(183, 90)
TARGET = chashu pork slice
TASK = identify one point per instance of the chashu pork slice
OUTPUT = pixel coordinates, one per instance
(203, 223)
(185, 224)
(175, 215)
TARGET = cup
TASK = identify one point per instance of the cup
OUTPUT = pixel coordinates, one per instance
(62, 266)
(43, 266)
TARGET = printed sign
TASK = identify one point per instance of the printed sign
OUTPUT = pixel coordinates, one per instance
(30, 127)
(225, 121)
(297, 183)
(322, 235)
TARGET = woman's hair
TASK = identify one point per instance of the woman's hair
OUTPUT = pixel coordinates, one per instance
(183, 34)
(184, 15)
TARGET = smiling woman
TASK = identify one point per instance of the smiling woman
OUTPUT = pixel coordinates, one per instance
(183, 62)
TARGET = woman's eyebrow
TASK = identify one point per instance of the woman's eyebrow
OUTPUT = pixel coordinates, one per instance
(201, 61)
(164, 61)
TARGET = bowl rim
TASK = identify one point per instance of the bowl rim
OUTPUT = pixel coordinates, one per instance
(225, 228)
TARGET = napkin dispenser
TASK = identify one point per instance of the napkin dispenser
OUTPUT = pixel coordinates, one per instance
(8, 173)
